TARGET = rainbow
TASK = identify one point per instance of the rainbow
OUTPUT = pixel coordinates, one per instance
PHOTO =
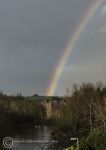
(85, 19)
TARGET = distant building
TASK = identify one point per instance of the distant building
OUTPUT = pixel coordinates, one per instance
(51, 107)
(48, 107)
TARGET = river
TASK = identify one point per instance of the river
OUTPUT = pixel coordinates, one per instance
(37, 139)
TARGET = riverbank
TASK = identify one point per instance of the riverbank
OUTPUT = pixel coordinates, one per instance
(81, 115)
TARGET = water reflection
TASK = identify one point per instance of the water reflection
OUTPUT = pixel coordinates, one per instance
(37, 139)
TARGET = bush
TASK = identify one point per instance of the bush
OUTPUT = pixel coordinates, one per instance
(95, 141)
(70, 148)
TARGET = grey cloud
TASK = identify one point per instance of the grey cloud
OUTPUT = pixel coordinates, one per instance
(33, 34)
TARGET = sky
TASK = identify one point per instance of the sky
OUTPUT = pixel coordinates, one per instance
(33, 34)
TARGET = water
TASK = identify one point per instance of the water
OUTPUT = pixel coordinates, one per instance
(37, 139)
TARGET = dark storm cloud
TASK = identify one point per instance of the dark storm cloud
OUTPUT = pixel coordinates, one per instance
(32, 36)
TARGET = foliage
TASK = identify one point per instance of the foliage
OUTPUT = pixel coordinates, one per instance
(82, 113)
(71, 148)
(95, 140)
(17, 113)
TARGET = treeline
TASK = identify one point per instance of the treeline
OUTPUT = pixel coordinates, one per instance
(18, 113)
(82, 114)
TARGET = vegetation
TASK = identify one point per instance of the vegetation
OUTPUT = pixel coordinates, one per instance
(71, 148)
(18, 113)
(83, 115)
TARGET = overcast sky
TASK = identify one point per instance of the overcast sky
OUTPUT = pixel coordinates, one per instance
(33, 34)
